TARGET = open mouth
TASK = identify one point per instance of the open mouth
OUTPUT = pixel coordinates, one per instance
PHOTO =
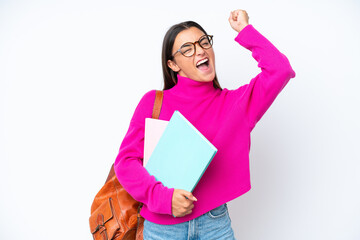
(203, 65)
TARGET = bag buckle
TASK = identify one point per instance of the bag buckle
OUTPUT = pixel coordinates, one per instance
(100, 227)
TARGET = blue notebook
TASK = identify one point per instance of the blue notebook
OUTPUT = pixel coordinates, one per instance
(181, 156)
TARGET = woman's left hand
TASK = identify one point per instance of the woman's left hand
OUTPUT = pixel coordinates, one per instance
(238, 19)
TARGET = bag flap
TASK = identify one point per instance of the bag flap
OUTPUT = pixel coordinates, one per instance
(101, 215)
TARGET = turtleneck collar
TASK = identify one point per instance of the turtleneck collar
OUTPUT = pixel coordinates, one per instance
(187, 87)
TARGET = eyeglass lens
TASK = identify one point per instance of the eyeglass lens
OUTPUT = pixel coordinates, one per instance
(188, 49)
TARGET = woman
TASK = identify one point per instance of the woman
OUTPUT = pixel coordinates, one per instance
(225, 117)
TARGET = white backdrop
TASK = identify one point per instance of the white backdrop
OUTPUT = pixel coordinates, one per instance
(72, 73)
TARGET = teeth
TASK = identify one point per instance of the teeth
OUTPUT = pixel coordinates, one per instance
(202, 61)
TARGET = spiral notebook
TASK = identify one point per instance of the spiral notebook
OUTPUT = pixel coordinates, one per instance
(181, 155)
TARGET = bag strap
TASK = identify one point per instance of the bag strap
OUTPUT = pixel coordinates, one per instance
(155, 114)
(157, 104)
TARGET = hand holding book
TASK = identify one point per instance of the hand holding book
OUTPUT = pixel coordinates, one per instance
(182, 203)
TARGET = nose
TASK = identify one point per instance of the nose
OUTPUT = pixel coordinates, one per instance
(199, 50)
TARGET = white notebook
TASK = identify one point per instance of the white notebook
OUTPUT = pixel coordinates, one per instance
(154, 128)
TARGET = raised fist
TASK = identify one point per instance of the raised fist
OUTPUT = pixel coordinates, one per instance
(238, 19)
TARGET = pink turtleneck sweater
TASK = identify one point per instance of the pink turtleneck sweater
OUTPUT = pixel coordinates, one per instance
(225, 117)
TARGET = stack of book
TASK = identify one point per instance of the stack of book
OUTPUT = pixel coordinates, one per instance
(175, 152)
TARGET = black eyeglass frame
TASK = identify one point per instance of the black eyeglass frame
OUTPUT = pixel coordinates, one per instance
(210, 37)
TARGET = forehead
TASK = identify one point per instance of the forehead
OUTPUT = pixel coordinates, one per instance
(188, 35)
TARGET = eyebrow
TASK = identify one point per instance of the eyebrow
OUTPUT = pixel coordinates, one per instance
(186, 44)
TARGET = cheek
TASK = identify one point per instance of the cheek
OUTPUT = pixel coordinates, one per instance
(212, 55)
(213, 58)
(186, 64)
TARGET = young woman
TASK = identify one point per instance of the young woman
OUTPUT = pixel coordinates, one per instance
(225, 117)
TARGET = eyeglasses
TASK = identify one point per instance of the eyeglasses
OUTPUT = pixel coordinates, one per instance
(188, 49)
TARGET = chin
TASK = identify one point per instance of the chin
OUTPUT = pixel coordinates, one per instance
(210, 77)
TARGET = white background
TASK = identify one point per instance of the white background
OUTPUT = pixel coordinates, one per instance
(72, 73)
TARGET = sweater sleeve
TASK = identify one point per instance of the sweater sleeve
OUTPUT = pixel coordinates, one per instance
(257, 96)
(128, 165)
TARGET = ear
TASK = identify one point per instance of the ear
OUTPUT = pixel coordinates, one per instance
(173, 66)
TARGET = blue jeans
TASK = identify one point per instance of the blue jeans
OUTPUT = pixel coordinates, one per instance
(215, 224)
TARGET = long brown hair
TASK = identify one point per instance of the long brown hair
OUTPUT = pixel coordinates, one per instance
(170, 77)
